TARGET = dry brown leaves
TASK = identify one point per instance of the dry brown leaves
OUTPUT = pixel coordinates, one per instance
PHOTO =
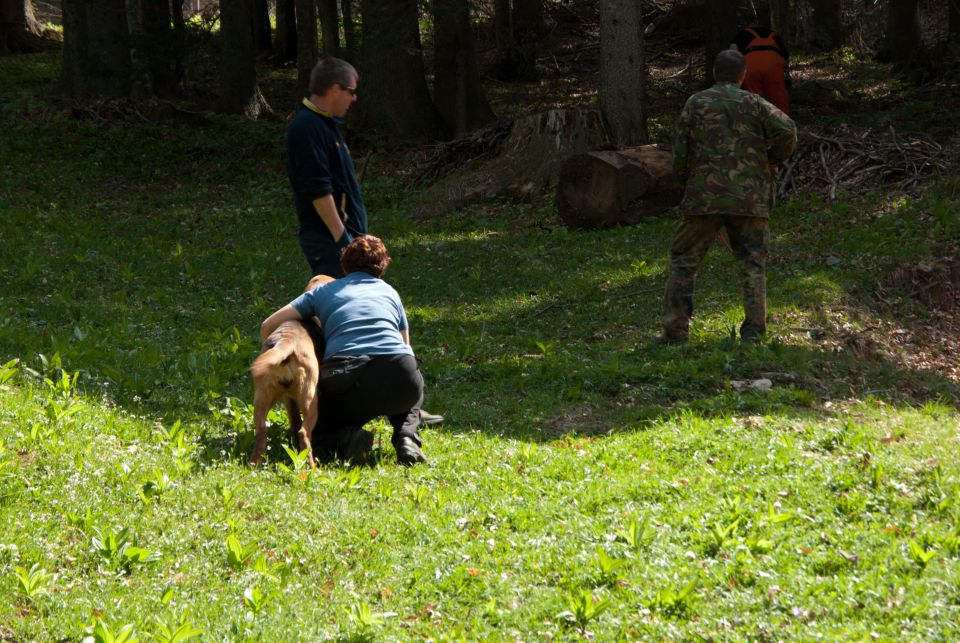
(934, 284)
(930, 344)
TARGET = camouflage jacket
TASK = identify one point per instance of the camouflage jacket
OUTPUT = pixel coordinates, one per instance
(727, 141)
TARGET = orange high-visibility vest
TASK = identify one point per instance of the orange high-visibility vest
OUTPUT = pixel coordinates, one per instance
(766, 70)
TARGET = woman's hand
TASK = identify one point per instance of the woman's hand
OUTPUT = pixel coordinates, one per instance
(287, 313)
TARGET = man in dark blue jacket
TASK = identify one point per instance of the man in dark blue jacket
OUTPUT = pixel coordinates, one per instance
(325, 189)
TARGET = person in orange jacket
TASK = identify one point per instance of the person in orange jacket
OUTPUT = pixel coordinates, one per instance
(767, 59)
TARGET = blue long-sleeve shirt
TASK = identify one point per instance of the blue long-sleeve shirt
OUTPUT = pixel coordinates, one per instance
(360, 315)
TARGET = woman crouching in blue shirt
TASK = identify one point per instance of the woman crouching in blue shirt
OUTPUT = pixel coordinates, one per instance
(368, 368)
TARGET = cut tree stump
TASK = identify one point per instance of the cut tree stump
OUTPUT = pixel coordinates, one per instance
(530, 157)
(617, 187)
(521, 165)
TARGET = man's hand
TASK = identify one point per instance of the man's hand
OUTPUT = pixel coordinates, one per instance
(326, 209)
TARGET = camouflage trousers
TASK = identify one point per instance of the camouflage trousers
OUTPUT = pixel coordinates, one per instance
(749, 237)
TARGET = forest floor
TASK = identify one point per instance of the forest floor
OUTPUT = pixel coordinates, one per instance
(843, 96)
(835, 94)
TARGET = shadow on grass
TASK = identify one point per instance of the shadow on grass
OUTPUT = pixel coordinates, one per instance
(532, 334)
(551, 396)
(556, 347)
(525, 331)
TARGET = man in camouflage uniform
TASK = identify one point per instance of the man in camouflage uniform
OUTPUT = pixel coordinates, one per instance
(729, 142)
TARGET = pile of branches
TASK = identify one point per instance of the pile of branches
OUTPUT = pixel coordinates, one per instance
(446, 158)
(109, 110)
(112, 110)
(844, 159)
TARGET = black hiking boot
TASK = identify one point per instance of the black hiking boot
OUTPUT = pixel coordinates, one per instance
(408, 452)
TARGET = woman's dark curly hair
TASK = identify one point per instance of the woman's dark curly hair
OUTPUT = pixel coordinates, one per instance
(365, 254)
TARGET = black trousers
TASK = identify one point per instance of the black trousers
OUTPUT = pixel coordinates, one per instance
(323, 253)
(389, 385)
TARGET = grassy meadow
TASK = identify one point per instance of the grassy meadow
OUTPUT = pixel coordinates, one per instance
(586, 485)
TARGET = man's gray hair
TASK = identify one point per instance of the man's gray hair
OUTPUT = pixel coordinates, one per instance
(729, 66)
(329, 72)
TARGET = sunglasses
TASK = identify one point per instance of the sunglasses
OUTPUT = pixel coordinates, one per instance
(351, 90)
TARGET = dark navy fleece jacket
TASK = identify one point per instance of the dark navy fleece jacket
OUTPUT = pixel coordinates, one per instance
(319, 163)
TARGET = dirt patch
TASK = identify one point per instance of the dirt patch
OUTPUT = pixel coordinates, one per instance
(913, 343)
(577, 421)
(25, 458)
(931, 346)
(934, 284)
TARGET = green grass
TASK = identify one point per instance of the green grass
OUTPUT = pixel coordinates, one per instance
(586, 484)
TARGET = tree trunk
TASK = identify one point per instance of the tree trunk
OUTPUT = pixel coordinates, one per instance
(396, 100)
(526, 166)
(179, 39)
(783, 20)
(20, 32)
(622, 72)
(159, 48)
(528, 19)
(502, 29)
(285, 35)
(515, 53)
(903, 45)
(764, 12)
(96, 49)
(826, 29)
(239, 93)
(532, 155)
(720, 25)
(307, 52)
(507, 52)
(609, 188)
(351, 34)
(261, 27)
(329, 27)
(527, 28)
(139, 80)
(457, 92)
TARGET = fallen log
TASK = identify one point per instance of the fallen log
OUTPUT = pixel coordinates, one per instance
(608, 188)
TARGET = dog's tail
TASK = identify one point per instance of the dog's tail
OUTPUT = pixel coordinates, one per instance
(275, 363)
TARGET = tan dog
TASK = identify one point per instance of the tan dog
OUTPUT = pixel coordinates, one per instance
(288, 368)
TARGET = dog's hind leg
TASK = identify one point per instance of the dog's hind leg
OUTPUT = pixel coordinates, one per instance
(310, 415)
(263, 400)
